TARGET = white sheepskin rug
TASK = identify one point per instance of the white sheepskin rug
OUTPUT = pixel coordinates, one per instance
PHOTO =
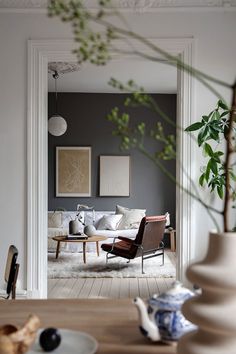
(70, 265)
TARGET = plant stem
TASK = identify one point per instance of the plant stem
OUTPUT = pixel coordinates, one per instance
(210, 212)
(229, 151)
(208, 208)
(178, 62)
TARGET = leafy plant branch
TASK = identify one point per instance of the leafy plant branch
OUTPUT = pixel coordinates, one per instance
(95, 46)
(218, 174)
(134, 138)
(140, 98)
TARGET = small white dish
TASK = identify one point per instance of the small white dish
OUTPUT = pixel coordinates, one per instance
(72, 342)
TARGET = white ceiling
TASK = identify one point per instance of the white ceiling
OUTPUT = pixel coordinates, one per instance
(157, 78)
(154, 77)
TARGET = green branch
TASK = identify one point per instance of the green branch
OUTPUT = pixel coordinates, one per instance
(95, 47)
(171, 58)
(209, 208)
(170, 63)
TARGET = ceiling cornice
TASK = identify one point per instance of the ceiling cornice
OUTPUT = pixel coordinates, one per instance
(178, 4)
(23, 5)
(127, 5)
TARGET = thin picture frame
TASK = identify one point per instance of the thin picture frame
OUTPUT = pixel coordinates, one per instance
(114, 177)
(73, 171)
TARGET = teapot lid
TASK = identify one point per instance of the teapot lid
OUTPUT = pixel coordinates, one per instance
(172, 299)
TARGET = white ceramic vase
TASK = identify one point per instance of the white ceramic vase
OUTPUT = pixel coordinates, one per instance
(74, 227)
(90, 230)
(214, 311)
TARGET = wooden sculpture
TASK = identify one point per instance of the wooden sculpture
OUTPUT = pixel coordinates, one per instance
(15, 340)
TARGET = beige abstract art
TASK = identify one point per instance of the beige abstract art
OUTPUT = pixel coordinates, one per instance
(73, 171)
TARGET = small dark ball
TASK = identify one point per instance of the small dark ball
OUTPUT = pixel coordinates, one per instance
(50, 339)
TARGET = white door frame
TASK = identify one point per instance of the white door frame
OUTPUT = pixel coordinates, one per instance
(40, 52)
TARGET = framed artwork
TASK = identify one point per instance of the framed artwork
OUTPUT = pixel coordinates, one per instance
(114, 176)
(73, 171)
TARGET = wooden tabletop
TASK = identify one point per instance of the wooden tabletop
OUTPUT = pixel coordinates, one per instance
(89, 239)
(114, 323)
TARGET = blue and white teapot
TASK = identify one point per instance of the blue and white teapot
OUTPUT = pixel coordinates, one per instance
(163, 319)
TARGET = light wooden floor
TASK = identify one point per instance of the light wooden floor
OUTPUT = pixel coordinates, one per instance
(108, 287)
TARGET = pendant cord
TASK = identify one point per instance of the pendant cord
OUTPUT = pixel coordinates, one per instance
(56, 106)
(55, 76)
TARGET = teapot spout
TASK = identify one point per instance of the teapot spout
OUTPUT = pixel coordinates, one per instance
(147, 326)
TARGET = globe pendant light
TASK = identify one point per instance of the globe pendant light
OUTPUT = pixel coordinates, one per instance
(57, 125)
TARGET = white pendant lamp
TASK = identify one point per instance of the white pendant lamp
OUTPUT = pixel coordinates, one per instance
(57, 125)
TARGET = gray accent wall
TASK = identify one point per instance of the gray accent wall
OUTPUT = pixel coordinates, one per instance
(85, 114)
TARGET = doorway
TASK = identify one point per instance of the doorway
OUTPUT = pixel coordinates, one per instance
(40, 53)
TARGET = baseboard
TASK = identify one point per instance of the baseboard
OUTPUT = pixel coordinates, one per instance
(35, 294)
(20, 294)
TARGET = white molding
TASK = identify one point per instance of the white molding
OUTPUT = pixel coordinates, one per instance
(37, 172)
(185, 110)
(175, 5)
(40, 6)
(40, 52)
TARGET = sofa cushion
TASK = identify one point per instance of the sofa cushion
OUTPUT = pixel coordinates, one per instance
(109, 222)
(57, 231)
(131, 217)
(131, 233)
(55, 219)
(93, 218)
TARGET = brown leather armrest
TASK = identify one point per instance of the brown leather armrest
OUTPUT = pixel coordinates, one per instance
(125, 239)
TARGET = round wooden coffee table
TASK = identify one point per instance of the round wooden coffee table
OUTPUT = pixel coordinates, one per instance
(96, 239)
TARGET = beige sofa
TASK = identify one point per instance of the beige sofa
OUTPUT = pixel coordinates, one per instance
(58, 225)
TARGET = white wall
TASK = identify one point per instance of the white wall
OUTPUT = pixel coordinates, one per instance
(215, 54)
